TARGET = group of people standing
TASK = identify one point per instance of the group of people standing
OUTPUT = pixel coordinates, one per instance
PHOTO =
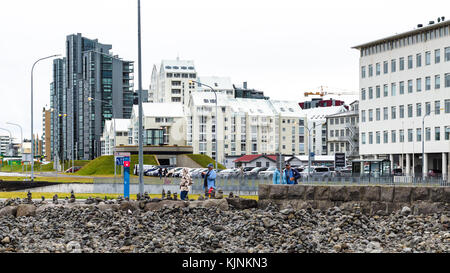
(209, 182)
(162, 173)
(288, 176)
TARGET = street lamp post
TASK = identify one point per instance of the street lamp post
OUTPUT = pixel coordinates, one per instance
(21, 137)
(424, 172)
(141, 110)
(32, 146)
(114, 122)
(217, 117)
(309, 146)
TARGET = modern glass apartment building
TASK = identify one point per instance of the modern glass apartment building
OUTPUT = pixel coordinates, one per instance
(89, 70)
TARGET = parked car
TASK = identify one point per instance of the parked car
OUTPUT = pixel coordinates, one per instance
(150, 171)
(146, 167)
(322, 172)
(197, 173)
(172, 171)
(397, 172)
(229, 173)
(254, 172)
(344, 172)
(247, 169)
(434, 173)
(267, 173)
(179, 172)
(75, 169)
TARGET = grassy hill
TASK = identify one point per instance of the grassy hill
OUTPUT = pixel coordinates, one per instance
(104, 165)
(38, 167)
(204, 160)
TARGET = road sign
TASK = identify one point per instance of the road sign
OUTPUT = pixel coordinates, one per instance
(126, 178)
(120, 154)
(339, 160)
(119, 161)
(126, 164)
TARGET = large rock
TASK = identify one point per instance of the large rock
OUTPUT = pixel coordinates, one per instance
(402, 194)
(356, 193)
(296, 192)
(378, 208)
(322, 193)
(420, 194)
(263, 191)
(242, 203)
(8, 211)
(386, 194)
(425, 208)
(221, 204)
(129, 205)
(26, 210)
(437, 194)
(339, 193)
(153, 206)
(372, 193)
(278, 191)
(310, 192)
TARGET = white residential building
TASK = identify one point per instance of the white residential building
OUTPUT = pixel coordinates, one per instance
(171, 82)
(5, 142)
(220, 85)
(402, 78)
(121, 127)
(164, 124)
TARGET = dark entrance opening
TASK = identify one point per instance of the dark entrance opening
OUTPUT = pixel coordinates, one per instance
(164, 162)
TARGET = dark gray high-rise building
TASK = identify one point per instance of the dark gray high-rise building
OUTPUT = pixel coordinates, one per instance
(89, 71)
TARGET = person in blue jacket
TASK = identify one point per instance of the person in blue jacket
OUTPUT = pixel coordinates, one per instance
(290, 175)
(209, 179)
(277, 179)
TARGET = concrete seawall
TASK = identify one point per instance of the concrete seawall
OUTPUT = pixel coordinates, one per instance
(370, 199)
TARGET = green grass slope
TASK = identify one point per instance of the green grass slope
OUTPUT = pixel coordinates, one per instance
(38, 167)
(104, 165)
(204, 160)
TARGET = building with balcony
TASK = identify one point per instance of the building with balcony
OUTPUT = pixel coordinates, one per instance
(404, 81)
(343, 132)
(119, 128)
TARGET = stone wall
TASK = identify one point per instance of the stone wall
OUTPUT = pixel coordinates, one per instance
(370, 199)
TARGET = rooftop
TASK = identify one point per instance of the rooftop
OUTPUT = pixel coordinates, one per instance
(321, 113)
(219, 83)
(250, 158)
(161, 109)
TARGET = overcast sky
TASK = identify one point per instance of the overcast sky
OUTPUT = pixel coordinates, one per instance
(282, 47)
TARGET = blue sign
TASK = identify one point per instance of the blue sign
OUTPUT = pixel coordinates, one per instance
(119, 161)
(312, 154)
(126, 181)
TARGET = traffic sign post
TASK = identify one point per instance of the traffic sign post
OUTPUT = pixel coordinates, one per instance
(339, 160)
(126, 177)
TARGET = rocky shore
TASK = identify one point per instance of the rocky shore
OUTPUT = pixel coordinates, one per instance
(223, 225)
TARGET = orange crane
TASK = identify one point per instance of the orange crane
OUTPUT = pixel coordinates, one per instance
(323, 93)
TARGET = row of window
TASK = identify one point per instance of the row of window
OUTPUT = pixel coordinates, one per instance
(181, 75)
(410, 63)
(369, 93)
(410, 40)
(343, 120)
(411, 135)
(409, 111)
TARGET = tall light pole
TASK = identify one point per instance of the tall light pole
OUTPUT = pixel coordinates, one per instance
(114, 121)
(424, 172)
(309, 144)
(141, 111)
(217, 117)
(32, 137)
(62, 155)
(21, 137)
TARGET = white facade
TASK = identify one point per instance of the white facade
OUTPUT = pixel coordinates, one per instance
(220, 85)
(401, 79)
(5, 141)
(121, 129)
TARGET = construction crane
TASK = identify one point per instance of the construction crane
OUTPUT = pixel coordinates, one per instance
(323, 93)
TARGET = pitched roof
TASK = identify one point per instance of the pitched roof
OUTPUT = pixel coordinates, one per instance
(250, 158)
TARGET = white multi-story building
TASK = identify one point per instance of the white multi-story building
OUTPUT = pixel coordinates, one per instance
(343, 132)
(403, 78)
(220, 85)
(120, 127)
(5, 142)
(245, 126)
(172, 82)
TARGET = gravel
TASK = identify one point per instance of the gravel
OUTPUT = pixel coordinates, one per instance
(88, 228)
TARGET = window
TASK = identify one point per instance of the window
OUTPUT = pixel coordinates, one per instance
(437, 56)
(402, 88)
(402, 63)
(447, 106)
(385, 113)
(447, 80)
(410, 86)
(410, 61)
(363, 116)
(363, 138)
(437, 82)
(363, 72)
(410, 110)
(370, 93)
(393, 65)
(402, 111)
(447, 132)
(370, 115)
(427, 108)
(428, 83)
(402, 136)
(378, 114)
(385, 137)
(385, 67)
(370, 70)
(447, 54)
(419, 84)
(437, 107)
(370, 138)
(427, 134)
(393, 136)
(419, 60)
(437, 133)
(410, 135)
(393, 112)
(378, 139)
(427, 58)
(363, 94)
(393, 89)
(419, 134)
(385, 90)
(419, 109)
(378, 69)
(378, 91)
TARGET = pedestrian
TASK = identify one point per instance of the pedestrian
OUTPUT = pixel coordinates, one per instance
(160, 172)
(185, 183)
(290, 175)
(209, 180)
(277, 177)
(165, 172)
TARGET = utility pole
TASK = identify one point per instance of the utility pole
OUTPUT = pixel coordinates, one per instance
(141, 140)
